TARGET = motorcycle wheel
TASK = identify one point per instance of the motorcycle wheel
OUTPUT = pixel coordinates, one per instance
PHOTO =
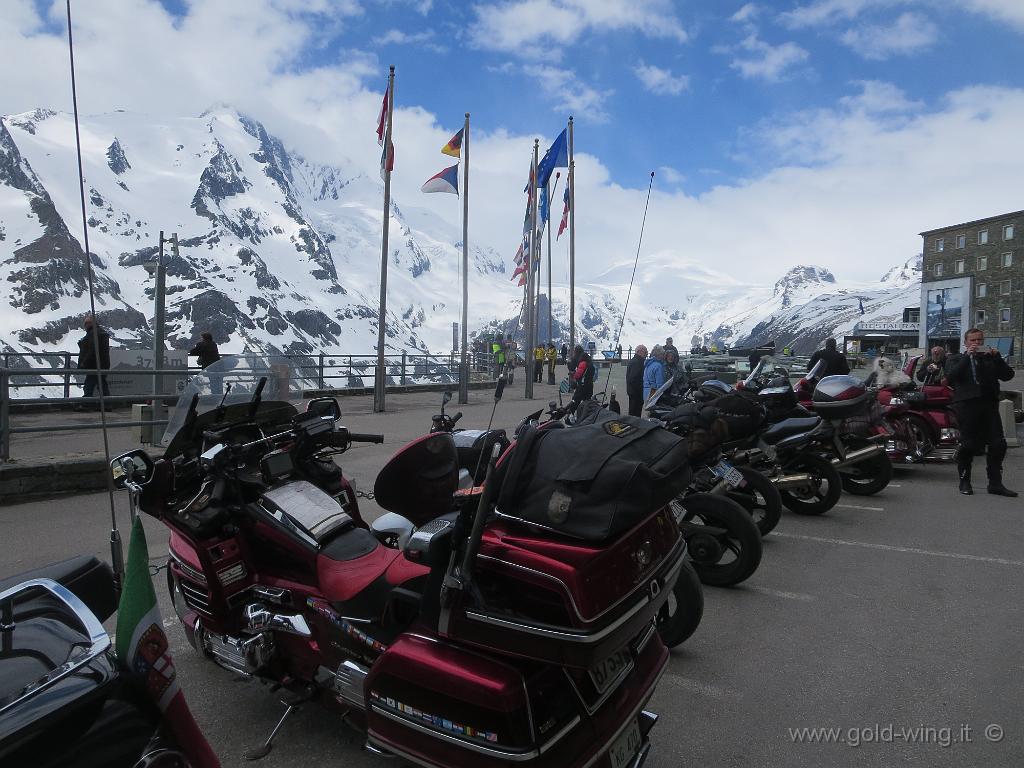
(766, 507)
(680, 616)
(867, 478)
(737, 556)
(828, 486)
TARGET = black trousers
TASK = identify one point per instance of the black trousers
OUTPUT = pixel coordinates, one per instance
(981, 432)
(636, 405)
(89, 385)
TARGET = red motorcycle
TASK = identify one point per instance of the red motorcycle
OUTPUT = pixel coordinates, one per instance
(485, 641)
(929, 413)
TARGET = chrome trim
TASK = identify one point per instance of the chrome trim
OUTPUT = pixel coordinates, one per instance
(392, 751)
(680, 542)
(560, 634)
(258, 619)
(348, 682)
(560, 734)
(99, 640)
(651, 630)
(516, 757)
(191, 572)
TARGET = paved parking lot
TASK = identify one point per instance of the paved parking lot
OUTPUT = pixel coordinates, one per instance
(894, 620)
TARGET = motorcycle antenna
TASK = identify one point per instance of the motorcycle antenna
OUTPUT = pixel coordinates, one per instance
(116, 549)
(625, 306)
(499, 389)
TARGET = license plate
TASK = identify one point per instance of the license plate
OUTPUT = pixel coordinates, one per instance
(625, 747)
(605, 673)
(725, 471)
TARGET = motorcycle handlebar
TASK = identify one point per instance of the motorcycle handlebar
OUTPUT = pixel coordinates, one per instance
(362, 437)
(456, 417)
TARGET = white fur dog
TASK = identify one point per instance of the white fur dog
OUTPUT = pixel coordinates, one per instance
(887, 374)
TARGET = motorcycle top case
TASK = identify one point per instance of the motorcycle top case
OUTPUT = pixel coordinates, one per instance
(839, 397)
(593, 481)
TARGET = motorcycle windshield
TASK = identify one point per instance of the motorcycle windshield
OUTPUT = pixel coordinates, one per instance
(817, 371)
(678, 380)
(232, 382)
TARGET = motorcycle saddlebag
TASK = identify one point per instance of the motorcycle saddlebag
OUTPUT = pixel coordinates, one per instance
(743, 415)
(702, 426)
(594, 480)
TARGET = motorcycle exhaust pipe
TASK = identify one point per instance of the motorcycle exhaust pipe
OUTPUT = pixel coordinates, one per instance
(791, 481)
(855, 457)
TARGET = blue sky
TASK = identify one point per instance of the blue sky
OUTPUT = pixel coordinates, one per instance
(775, 128)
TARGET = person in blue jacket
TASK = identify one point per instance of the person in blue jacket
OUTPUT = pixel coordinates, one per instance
(654, 370)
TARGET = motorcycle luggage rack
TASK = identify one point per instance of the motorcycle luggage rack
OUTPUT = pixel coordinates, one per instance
(99, 640)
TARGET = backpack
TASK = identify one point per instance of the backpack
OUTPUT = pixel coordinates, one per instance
(595, 480)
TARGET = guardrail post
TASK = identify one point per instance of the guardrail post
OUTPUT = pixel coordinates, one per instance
(67, 376)
(403, 368)
(322, 384)
(5, 417)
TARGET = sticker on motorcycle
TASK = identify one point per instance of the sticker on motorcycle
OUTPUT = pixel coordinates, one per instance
(618, 428)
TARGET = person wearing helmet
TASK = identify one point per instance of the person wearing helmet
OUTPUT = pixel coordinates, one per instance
(635, 381)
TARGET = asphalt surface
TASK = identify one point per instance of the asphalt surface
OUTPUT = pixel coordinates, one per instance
(895, 619)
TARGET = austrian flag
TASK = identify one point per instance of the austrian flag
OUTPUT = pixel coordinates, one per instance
(565, 214)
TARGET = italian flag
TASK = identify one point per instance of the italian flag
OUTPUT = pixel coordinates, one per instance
(142, 648)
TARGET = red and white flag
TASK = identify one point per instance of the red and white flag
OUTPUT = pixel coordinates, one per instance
(565, 213)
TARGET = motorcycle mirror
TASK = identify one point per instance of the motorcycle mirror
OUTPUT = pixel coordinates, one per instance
(446, 397)
(499, 389)
(132, 467)
(324, 406)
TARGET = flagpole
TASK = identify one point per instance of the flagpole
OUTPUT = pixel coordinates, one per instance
(572, 246)
(380, 373)
(531, 329)
(551, 370)
(464, 365)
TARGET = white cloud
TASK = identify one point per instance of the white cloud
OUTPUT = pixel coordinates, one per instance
(1010, 11)
(822, 12)
(908, 34)
(761, 60)
(569, 94)
(398, 37)
(534, 28)
(878, 97)
(661, 81)
(748, 12)
(670, 175)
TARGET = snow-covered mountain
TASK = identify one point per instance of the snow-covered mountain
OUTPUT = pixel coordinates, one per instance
(697, 305)
(275, 252)
(278, 253)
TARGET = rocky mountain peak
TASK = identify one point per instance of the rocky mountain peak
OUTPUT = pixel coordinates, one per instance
(799, 278)
(116, 158)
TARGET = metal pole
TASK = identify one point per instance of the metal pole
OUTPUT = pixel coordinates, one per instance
(403, 368)
(551, 368)
(464, 362)
(5, 417)
(380, 374)
(323, 384)
(572, 246)
(158, 323)
(531, 314)
(67, 375)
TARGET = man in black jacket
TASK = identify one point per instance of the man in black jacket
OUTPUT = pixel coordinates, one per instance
(89, 359)
(974, 376)
(835, 362)
(208, 354)
(635, 381)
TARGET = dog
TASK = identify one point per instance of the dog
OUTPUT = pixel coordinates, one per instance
(886, 374)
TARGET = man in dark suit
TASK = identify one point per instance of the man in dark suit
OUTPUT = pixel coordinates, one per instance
(974, 376)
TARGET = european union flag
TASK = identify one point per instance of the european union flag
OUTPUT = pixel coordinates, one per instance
(557, 156)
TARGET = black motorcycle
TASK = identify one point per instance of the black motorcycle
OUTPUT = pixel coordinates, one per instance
(64, 700)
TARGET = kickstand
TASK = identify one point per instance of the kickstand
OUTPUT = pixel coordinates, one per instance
(258, 753)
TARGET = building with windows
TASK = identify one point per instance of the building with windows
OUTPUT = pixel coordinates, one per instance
(973, 276)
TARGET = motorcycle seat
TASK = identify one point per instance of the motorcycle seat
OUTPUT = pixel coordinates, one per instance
(87, 577)
(788, 428)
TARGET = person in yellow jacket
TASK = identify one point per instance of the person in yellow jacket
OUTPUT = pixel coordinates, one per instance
(538, 363)
(551, 356)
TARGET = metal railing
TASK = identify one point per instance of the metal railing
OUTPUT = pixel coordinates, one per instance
(322, 371)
